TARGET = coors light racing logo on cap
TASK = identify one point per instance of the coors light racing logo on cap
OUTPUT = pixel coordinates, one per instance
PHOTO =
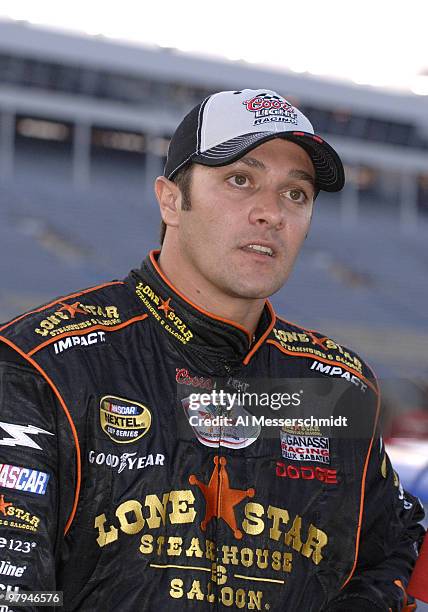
(271, 108)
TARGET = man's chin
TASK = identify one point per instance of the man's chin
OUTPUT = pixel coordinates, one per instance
(260, 292)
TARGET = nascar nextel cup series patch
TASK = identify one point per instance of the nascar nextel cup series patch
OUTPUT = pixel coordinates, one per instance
(123, 420)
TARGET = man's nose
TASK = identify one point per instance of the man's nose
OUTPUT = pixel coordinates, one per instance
(267, 209)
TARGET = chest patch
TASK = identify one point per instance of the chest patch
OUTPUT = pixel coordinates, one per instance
(123, 420)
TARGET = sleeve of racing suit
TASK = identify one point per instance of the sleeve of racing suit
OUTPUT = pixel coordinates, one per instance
(31, 524)
(389, 541)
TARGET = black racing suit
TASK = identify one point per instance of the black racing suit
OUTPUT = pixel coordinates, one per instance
(111, 493)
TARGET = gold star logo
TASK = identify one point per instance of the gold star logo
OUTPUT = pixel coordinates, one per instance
(220, 499)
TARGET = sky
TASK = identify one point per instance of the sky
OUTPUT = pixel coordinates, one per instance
(383, 43)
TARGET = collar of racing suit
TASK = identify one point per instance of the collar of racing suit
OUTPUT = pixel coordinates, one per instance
(220, 345)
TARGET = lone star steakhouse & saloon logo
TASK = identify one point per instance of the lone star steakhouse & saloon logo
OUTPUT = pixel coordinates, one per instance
(67, 317)
(72, 309)
(319, 347)
(170, 321)
(215, 506)
(17, 517)
(4, 505)
(192, 552)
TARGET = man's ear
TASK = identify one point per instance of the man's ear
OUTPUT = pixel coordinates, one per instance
(169, 197)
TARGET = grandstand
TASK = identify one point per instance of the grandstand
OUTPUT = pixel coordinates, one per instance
(84, 128)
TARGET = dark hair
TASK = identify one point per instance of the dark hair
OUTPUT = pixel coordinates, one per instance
(182, 179)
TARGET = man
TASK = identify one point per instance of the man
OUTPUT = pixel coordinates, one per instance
(120, 488)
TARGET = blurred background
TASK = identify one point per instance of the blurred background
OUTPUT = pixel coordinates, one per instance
(90, 98)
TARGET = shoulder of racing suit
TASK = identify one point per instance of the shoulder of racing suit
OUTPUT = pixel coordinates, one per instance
(39, 346)
(81, 318)
(390, 516)
(327, 357)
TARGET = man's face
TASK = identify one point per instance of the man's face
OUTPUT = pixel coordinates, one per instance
(247, 221)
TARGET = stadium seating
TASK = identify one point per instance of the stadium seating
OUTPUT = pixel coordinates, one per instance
(362, 284)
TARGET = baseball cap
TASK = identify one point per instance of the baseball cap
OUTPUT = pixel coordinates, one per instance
(228, 124)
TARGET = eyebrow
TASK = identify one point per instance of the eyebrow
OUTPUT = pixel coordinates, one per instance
(304, 176)
(252, 162)
(297, 174)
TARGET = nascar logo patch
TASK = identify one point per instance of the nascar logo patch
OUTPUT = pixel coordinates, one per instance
(23, 479)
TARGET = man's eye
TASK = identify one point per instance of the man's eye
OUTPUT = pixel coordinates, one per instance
(297, 195)
(239, 179)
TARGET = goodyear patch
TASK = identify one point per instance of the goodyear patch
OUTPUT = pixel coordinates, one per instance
(123, 420)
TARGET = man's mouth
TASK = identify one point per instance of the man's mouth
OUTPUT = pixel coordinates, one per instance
(259, 248)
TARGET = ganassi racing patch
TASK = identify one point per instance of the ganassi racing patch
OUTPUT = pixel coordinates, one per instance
(305, 448)
(123, 420)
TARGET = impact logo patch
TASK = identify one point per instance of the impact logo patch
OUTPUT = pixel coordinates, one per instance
(124, 421)
(305, 448)
(267, 108)
(337, 371)
(86, 340)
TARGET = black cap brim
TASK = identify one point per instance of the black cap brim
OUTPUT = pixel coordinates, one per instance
(329, 172)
